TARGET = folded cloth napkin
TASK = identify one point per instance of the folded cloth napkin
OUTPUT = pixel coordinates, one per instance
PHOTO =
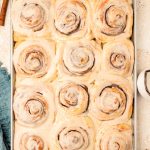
(5, 115)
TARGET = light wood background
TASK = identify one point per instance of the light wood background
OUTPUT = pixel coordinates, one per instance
(143, 45)
(143, 53)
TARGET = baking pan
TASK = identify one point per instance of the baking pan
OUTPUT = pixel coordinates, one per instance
(134, 116)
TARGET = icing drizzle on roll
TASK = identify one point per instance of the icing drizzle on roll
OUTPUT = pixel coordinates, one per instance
(33, 142)
(32, 16)
(115, 21)
(74, 98)
(34, 61)
(73, 138)
(118, 60)
(32, 109)
(70, 17)
(34, 103)
(111, 102)
(118, 57)
(79, 59)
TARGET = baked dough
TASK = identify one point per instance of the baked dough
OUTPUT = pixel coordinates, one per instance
(118, 58)
(31, 17)
(33, 103)
(79, 59)
(35, 58)
(73, 134)
(70, 19)
(114, 137)
(112, 99)
(113, 19)
(31, 141)
(73, 61)
(72, 97)
(30, 138)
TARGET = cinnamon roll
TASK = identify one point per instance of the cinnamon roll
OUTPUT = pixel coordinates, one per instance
(80, 59)
(30, 141)
(117, 137)
(73, 98)
(70, 19)
(73, 134)
(118, 57)
(113, 19)
(33, 104)
(112, 99)
(31, 17)
(35, 58)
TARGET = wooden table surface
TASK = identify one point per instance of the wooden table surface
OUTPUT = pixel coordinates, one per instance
(143, 53)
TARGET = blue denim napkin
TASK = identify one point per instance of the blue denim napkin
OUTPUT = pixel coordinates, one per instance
(5, 115)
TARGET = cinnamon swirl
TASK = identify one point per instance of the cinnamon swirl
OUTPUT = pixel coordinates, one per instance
(31, 17)
(80, 59)
(117, 137)
(118, 57)
(73, 134)
(112, 99)
(72, 97)
(30, 141)
(33, 104)
(113, 19)
(35, 58)
(71, 19)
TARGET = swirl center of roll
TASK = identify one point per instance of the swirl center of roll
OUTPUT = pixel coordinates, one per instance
(115, 20)
(68, 24)
(71, 95)
(32, 143)
(118, 60)
(79, 57)
(33, 16)
(73, 139)
(34, 61)
(34, 107)
(116, 17)
(112, 100)
(81, 60)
